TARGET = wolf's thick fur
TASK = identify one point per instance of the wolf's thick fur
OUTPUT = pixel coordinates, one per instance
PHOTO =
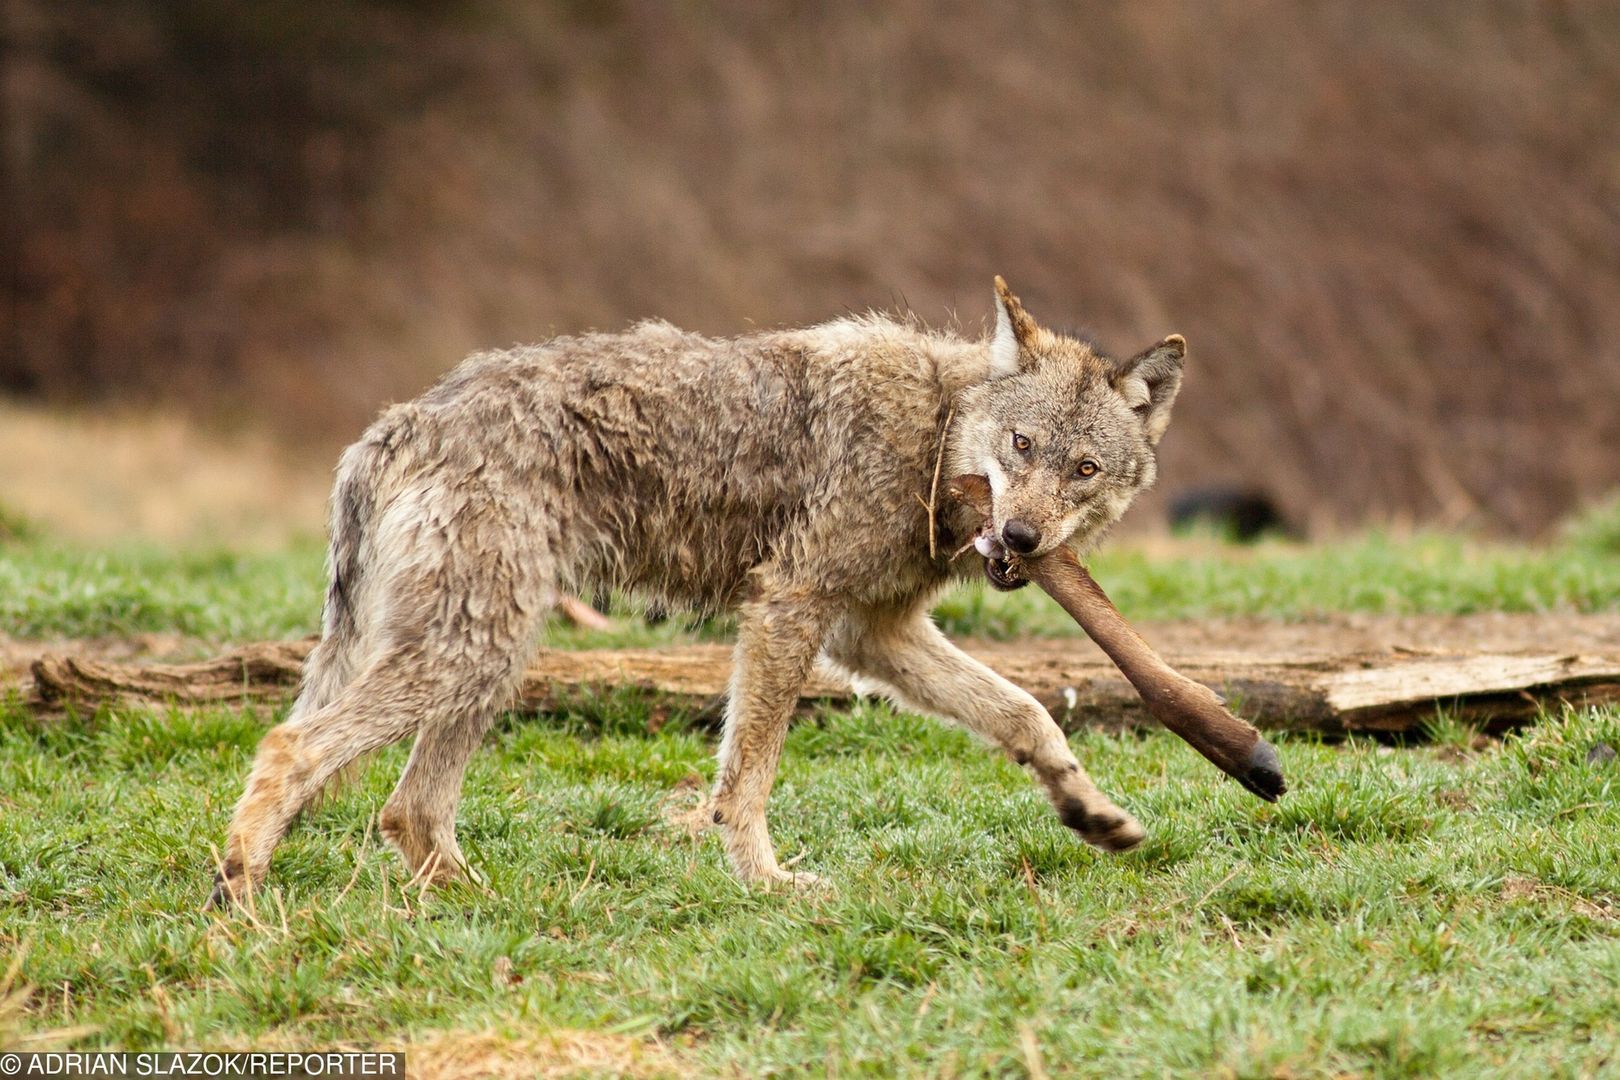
(783, 475)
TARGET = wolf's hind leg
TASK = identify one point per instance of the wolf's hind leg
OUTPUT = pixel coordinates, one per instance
(459, 635)
(419, 818)
(330, 666)
(295, 759)
(474, 616)
(778, 638)
(912, 659)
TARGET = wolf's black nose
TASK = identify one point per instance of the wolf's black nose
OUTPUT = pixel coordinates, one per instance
(1021, 536)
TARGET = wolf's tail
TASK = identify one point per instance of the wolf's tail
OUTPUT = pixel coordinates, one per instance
(335, 660)
(353, 505)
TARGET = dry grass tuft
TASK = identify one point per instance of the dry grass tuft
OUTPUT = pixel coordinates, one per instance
(562, 1053)
(1529, 890)
(14, 998)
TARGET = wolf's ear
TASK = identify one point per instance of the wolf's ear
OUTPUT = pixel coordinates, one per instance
(1015, 330)
(1149, 382)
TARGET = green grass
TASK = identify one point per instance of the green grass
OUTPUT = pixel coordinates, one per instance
(1449, 908)
(55, 590)
(1374, 573)
(1410, 912)
(50, 589)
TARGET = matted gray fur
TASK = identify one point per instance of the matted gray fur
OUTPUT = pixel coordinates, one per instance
(785, 476)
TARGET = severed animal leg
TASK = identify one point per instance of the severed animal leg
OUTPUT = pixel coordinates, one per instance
(1190, 709)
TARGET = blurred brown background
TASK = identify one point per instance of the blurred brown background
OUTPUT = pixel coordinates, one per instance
(1391, 231)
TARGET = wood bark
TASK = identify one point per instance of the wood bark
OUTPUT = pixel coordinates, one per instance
(1336, 694)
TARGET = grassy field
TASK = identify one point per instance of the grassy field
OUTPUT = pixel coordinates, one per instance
(1449, 908)
(47, 589)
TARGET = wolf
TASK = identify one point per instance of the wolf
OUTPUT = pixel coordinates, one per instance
(790, 476)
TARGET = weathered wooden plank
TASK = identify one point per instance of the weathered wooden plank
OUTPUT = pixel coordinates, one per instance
(1332, 694)
(1441, 679)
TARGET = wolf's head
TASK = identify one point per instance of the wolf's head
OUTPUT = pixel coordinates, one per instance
(1065, 435)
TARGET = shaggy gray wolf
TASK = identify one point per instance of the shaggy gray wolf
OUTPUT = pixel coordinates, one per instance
(791, 476)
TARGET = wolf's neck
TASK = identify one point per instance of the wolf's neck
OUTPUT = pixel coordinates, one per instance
(961, 364)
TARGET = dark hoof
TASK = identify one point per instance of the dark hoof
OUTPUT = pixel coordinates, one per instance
(1264, 775)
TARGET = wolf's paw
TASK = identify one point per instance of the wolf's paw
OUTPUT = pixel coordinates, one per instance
(229, 894)
(440, 869)
(232, 886)
(225, 894)
(1108, 828)
(800, 881)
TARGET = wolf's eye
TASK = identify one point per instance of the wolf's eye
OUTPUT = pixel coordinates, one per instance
(1020, 443)
(1088, 467)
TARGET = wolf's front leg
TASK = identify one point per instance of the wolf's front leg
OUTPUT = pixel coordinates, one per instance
(778, 638)
(921, 668)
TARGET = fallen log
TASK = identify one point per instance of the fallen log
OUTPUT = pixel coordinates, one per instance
(1333, 694)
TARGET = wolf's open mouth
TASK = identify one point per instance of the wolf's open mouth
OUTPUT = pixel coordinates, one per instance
(1003, 575)
(1001, 571)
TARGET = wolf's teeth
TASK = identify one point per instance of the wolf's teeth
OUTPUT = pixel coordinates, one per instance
(984, 546)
